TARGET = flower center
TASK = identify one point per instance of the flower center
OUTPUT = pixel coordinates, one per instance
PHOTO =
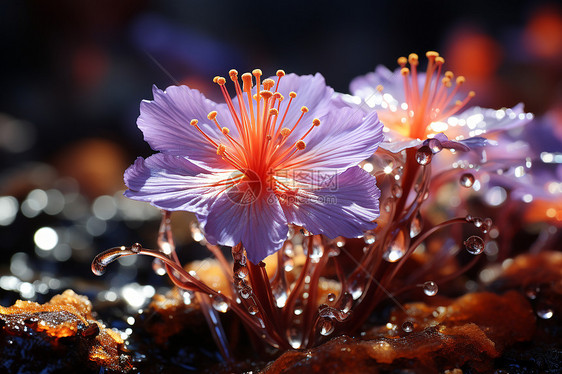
(431, 101)
(262, 146)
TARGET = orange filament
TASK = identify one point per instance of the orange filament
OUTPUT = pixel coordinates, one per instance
(431, 101)
(259, 117)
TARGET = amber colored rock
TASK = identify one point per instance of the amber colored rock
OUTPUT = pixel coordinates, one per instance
(470, 331)
(58, 336)
(173, 316)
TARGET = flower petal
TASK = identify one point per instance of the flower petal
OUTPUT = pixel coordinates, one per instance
(335, 204)
(165, 123)
(172, 183)
(259, 225)
(344, 138)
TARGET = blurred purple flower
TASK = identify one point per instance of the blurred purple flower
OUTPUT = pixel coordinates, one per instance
(244, 167)
(416, 106)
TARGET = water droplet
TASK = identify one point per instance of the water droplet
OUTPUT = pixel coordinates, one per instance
(245, 292)
(289, 265)
(369, 237)
(340, 241)
(102, 260)
(136, 247)
(240, 271)
(416, 225)
(253, 310)
(387, 205)
(487, 225)
(424, 155)
(316, 253)
(474, 245)
(220, 304)
(545, 312)
(435, 145)
(196, 232)
(430, 288)
(397, 191)
(408, 326)
(158, 267)
(466, 180)
(532, 291)
(331, 297)
(326, 326)
(477, 222)
(396, 249)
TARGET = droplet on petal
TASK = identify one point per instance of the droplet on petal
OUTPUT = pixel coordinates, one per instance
(424, 155)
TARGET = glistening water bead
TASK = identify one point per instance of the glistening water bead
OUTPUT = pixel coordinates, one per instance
(408, 326)
(466, 180)
(474, 245)
(424, 155)
(102, 260)
(430, 288)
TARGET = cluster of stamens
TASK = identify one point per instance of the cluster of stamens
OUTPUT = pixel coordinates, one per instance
(261, 144)
(433, 101)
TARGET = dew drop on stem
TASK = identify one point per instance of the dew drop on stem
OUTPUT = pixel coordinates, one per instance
(326, 326)
(219, 304)
(474, 245)
(102, 260)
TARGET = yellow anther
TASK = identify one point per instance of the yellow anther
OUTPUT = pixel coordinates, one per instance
(193, 122)
(292, 94)
(413, 59)
(268, 83)
(460, 79)
(221, 149)
(280, 73)
(431, 54)
(446, 81)
(404, 71)
(233, 74)
(257, 73)
(440, 60)
(471, 94)
(215, 79)
(266, 94)
(212, 115)
(225, 130)
(255, 97)
(300, 145)
(448, 84)
(280, 97)
(273, 112)
(458, 103)
(221, 81)
(246, 81)
(449, 74)
(304, 109)
(379, 88)
(316, 122)
(285, 132)
(402, 61)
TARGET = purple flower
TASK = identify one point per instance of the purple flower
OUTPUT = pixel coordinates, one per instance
(262, 160)
(416, 106)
